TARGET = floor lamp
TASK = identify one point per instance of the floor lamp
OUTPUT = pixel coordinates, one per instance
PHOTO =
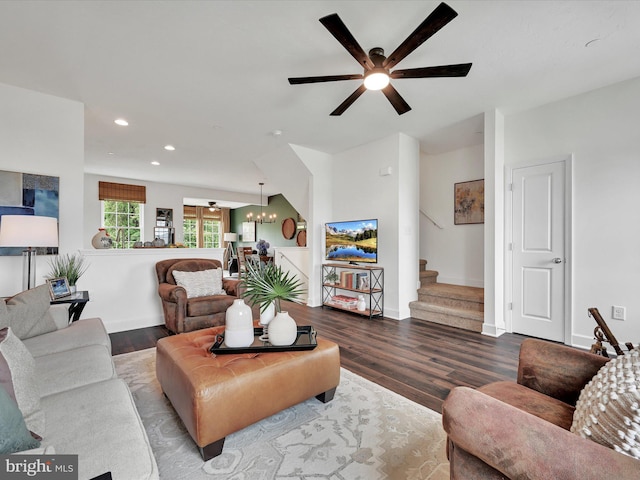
(229, 238)
(28, 231)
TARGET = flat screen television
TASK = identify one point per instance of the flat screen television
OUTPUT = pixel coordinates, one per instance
(355, 241)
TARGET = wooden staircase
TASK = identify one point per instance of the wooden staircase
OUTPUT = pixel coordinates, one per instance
(455, 305)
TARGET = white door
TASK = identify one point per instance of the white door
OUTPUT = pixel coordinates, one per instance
(538, 251)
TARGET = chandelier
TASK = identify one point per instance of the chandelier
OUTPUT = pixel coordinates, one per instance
(262, 218)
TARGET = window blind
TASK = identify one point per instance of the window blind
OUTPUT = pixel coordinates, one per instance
(122, 192)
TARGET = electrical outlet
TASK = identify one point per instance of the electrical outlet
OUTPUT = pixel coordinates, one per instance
(618, 313)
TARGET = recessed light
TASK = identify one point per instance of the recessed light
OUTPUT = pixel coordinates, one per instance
(155, 162)
(110, 153)
(121, 121)
(171, 148)
(276, 133)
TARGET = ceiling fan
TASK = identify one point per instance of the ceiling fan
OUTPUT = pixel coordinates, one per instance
(213, 206)
(377, 67)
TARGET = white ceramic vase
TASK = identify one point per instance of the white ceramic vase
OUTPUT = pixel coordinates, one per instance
(265, 319)
(361, 305)
(282, 330)
(101, 239)
(238, 331)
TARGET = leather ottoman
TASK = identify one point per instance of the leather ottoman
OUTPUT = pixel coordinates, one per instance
(216, 395)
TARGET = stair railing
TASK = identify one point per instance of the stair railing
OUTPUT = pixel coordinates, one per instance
(290, 262)
(431, 219)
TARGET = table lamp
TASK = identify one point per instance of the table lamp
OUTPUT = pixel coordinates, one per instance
(28, 231)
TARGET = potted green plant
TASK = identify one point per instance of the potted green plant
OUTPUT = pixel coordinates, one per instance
(71, 266)
(332, 277)
(266, 285)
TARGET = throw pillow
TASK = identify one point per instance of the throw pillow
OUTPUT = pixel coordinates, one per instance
(608, 409)
(23, 377)
(14, 435)
(201, 283)
(28, 313)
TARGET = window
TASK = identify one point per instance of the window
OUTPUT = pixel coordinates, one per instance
(122, 222)
(122, 212)
(201, 227)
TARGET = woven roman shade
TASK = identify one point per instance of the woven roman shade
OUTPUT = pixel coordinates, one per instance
(122, 192)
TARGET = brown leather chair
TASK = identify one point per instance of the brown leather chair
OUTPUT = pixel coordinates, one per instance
(182, 314)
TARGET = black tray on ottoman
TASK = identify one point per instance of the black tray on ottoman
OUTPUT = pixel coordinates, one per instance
(306, 340)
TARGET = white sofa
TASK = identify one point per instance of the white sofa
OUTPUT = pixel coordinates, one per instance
(88, 411)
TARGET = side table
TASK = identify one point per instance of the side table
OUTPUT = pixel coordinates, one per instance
(77, 300)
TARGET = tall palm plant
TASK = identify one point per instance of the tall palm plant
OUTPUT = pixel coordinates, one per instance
(268, 283)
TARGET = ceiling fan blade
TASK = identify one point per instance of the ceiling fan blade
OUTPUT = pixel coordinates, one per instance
(339, 30)
(442, 15)
(396, 100)
(459, 70)
(349, 101)
(325, 78)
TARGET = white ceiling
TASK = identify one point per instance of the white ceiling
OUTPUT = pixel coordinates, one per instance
(210, 77)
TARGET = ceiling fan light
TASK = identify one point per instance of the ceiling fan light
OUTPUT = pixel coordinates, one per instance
(376, 80)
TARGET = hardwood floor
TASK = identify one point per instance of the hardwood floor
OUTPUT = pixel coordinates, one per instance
(419, 360)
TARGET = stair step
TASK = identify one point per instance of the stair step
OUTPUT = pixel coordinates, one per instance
(428, 276)
(452, 296)
(443, 315)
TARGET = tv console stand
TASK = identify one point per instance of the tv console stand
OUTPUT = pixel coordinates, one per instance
(342, 283)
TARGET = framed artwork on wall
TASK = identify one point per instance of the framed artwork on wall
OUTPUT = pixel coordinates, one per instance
(248, 231)
(29, 194)
(469, 202)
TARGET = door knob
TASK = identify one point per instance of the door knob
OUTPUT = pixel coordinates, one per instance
(557, 260)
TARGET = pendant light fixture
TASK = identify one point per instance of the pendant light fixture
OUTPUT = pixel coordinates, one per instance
(262, 218)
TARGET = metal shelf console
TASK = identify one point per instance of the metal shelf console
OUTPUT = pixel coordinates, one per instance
(369, 282)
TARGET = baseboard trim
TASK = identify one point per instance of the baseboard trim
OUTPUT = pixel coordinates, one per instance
(492, 330)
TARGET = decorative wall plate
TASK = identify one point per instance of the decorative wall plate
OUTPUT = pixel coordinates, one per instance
(288, 228)
(301, 239)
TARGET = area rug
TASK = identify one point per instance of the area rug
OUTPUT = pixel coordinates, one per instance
(365, 433)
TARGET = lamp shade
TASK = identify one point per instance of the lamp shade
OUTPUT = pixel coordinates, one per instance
(230, 237)
(28, 231)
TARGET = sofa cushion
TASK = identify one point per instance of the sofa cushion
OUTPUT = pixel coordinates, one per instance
(27, 313)
(531, 401)
(84, 332)
(14, 435)
(608, 409)
(202, 283)
(107, 433)
(22, 367)
(62, 371)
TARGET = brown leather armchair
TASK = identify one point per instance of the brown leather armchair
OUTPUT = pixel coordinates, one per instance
(509, 430)
(182, 314)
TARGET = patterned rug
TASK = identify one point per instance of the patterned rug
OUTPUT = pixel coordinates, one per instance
(365, 433)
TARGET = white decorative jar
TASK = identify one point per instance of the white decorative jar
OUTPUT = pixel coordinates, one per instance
(265, 319)
(238, 331)
(282, 330)
(361, 305)
(101, 239)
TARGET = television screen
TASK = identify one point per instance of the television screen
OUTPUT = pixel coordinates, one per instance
(354, 241)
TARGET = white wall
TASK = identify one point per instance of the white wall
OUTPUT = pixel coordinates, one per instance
(44, 135)
(361, 191)
(600, 128)
(455, 251)
(320, 204)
